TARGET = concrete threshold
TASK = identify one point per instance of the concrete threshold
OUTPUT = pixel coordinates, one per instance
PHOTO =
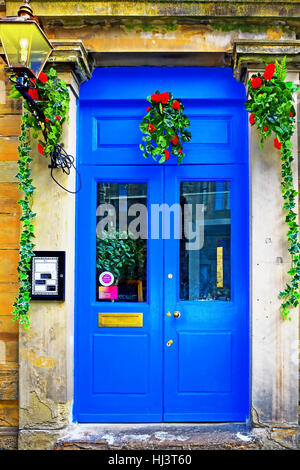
(166, 436)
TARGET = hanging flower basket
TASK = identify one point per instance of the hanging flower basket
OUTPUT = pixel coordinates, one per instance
(165, 128)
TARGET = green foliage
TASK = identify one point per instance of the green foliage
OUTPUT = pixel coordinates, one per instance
(115, 252)
(161, 125)
(272, 110)
(54, 101)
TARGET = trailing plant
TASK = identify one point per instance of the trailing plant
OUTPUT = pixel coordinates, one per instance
(52, 95)
(272, 111)
(165, 128)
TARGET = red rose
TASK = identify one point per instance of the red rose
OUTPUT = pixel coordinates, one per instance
(155, 98)
(175, 140)
(291, 114)
(43, 77)
(252, 119)
(47, 120)
(148, 109)
(269, 72)
(167, 154)
(175, 105)
(33, 93)
(164, 97)
(151, 128)
(277, 144)
(180, 151)
(265, 128)
(58, 118)
(40, 149)
(256, 82)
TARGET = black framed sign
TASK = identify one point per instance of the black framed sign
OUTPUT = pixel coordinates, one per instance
(47, 275)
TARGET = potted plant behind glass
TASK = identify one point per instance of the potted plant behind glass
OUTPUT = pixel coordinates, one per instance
(124, 257)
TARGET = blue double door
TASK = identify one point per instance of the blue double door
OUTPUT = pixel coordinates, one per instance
(168, 339)
(187, 358)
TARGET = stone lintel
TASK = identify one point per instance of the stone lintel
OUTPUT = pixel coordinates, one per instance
(163, 8)
(72, 52)
(254, 54)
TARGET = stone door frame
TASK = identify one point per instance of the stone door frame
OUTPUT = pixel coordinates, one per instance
(46, 349)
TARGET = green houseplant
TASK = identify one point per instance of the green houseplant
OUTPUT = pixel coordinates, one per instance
(117, 254)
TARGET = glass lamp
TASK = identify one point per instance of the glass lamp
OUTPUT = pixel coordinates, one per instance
(25, 45)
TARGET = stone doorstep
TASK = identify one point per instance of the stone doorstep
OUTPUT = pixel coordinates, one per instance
(8, 438)
(159, 437)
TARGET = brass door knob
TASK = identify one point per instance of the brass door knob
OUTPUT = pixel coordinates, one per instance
(176, 314)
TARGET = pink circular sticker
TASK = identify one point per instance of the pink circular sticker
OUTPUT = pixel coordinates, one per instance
(106, 278)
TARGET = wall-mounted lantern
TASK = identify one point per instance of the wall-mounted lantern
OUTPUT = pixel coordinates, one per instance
(26, 50)
(25, 45)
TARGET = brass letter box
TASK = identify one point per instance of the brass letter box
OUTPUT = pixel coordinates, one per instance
(113, 319)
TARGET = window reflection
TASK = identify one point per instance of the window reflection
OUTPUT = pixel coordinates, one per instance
(205, 272)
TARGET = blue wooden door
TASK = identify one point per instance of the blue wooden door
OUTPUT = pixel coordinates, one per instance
(119, 367)
(205, 294)
(173, 343)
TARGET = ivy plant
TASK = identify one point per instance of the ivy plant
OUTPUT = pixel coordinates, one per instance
(273, 113)
(52, 96)
(165, 128)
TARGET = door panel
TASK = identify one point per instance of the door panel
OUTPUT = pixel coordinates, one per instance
(134, 360)
(206, 366)
(119, 368)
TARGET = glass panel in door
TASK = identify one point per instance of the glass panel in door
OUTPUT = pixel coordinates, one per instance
(121, 244)
(205, 245)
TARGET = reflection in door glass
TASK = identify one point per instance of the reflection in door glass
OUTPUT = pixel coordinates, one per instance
(121, 242)
(205, 267)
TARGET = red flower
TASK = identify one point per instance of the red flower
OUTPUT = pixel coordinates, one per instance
(58, 118)
(291, 114)
(43, 77)
(148, 109)
(175, 140)
(256, 82)
(265, 128)
(155, 98)
(40, 149)
(277, 144)
(33, 93)
(164, 97)
(167, 154)
(47, 120)
(180, 151)
(252, 119)
(269, 72)
(175, 105)
(151, 128)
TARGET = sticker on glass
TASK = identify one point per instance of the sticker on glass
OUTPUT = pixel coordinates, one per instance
(106, 278)
(106, 293)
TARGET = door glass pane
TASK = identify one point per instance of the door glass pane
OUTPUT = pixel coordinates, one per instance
(205, 243)
(121, 242)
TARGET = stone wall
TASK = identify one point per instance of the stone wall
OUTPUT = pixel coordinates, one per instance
(10, 119)
(114, 32)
